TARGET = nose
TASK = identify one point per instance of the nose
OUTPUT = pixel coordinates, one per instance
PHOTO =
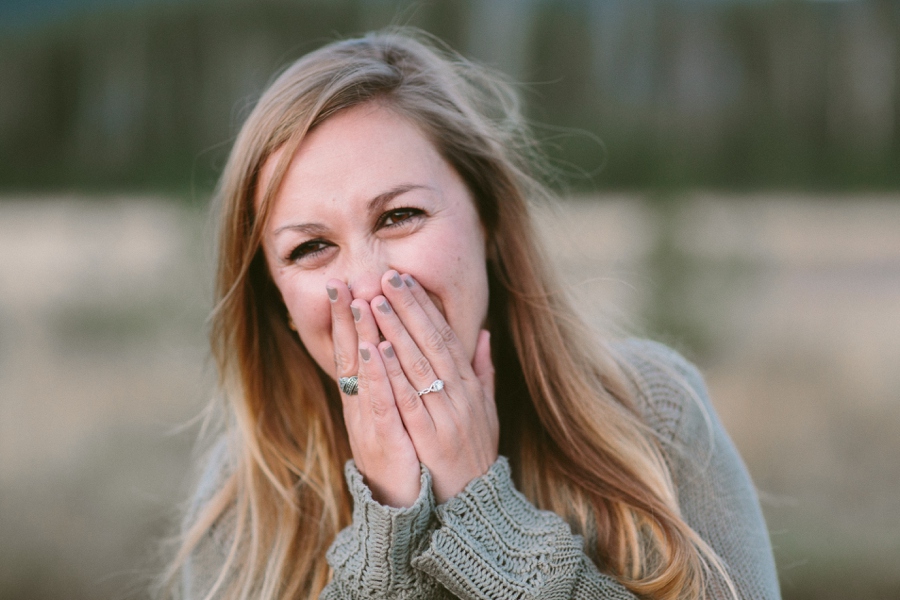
(364, 274)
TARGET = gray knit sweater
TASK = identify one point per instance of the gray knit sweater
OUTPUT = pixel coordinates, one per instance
(490, 542)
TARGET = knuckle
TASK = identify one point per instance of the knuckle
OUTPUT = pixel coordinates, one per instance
(435, 340)
(342, 359)
(409, 402)
(447, 333)
(421, 367)
(408, 300)
(393, 369)
(380, 408)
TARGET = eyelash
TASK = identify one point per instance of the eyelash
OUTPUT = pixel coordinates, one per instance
(307, 249)
(408, 211)
(318, 245)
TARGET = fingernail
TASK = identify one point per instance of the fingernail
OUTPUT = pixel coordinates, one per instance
(356, 313)
(389, 351)
(332, 293)
(409, 280)
(395, 281)
(364, 353)
(385, 308)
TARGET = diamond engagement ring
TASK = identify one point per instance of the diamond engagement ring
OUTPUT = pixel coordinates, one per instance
(349, 385)
(437, 386)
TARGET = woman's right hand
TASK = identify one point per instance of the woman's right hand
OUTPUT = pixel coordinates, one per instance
(381, 447)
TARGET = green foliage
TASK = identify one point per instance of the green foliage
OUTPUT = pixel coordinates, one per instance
(645, 95)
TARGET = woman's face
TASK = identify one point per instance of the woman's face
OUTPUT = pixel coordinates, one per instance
(367, 192)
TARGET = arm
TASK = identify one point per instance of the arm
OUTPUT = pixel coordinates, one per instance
(455, 433)
(448, 435)
(493, 543)
(371, 557)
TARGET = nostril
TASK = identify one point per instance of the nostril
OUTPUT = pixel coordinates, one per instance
(365, 286)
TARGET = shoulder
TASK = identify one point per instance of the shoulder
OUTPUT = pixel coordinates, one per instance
(671, 394)
(715, 493)
(215, 468)
(214, 530)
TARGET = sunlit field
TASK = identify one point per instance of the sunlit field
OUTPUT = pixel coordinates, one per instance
(790, 306)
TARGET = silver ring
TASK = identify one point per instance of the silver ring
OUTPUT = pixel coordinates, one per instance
(437, 386)
(349, 385)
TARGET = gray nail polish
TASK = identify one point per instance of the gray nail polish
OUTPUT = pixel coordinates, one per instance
(389, 351)
(332, 293)
(356, 313)
(409, 280)
(385, 308)
(364, 352)
(395, 281)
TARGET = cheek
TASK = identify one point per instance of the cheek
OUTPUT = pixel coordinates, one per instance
(311, 313)
(458, 277)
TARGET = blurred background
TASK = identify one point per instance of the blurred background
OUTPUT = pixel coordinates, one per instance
(729, 174)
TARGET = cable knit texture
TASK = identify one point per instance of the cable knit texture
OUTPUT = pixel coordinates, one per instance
(490, 542)
(493, 543)
(372, 557)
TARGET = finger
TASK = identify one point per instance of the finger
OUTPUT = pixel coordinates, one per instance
(366, 327)
(429, 337)
(376, 397)
(482, 364)
(452, 343)
(416, 366)
(412, 410)
(343, 329)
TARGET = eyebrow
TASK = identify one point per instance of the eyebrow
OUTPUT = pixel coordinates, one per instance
(374, 206)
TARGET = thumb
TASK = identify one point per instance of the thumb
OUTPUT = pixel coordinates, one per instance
(483, 365)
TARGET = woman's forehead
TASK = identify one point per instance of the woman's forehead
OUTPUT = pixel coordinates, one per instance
(364, 150)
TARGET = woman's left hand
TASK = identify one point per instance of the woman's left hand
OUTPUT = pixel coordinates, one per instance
(455, 431)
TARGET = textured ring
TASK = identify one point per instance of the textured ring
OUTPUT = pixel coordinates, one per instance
(349, 385)
(437, 386)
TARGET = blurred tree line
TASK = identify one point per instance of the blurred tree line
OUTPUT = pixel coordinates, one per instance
(629, 93)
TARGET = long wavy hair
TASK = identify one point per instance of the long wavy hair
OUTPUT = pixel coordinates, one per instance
(577, 446)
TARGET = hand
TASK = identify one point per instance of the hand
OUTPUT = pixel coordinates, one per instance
(381, 448)
(455, 431)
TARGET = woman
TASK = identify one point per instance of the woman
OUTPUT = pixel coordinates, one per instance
(382, 304)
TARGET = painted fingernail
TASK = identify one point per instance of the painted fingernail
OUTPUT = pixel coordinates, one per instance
(356, 313)
(332, 293)
(385, 308)
(364, 353)
(409, 280)
(395, 281)
(389, 351)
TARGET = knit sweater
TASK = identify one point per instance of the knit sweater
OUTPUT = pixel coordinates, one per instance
(490, 542)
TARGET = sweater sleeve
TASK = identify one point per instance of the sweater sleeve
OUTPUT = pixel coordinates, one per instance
(493, 543)
(371, 557)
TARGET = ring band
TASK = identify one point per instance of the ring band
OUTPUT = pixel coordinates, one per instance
(349, 385)
(436, 386)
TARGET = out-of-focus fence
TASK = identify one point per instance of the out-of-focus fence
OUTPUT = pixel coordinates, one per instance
(664, 93)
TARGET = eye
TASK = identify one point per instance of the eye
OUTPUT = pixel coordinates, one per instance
(398, 216)
(308, 250)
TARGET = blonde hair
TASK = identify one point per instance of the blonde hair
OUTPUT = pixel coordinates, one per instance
(579, 448)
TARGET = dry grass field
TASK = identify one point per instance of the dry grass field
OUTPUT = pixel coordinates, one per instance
(790, 306)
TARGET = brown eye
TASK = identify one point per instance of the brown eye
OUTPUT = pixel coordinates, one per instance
(398, 216)
(308, 249)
